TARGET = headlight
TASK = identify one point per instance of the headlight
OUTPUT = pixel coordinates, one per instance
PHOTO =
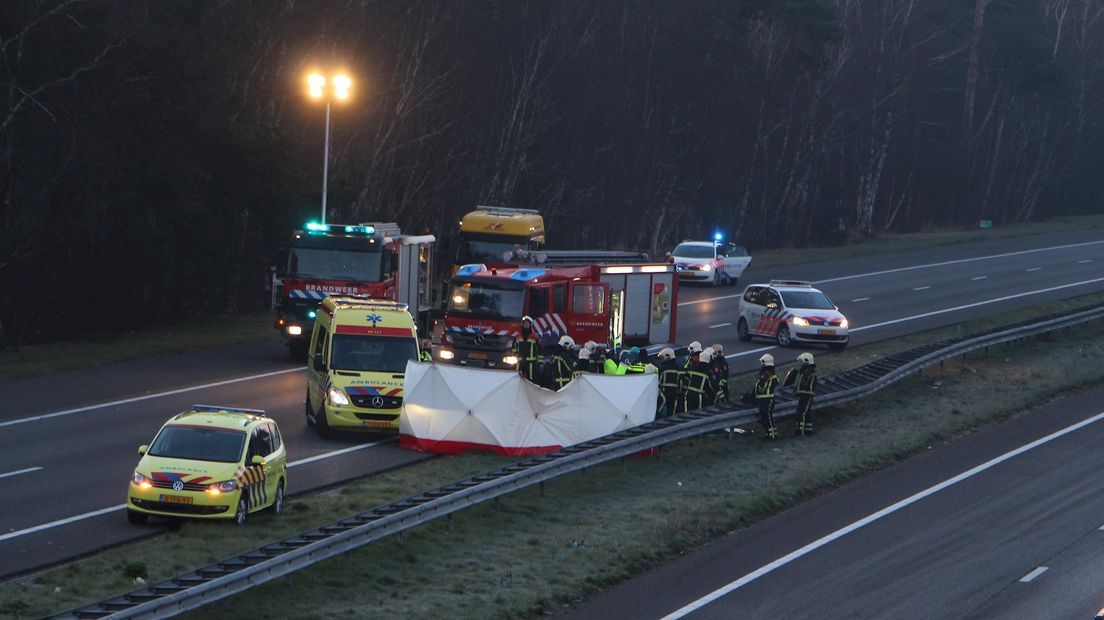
(706, 267)
(799, 321)
(222, 487)
(141, 481)
(445, 354)
(294, 330)
(338, 397)
(510, 360)
(843, 324)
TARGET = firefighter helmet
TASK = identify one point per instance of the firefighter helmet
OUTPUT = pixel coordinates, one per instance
(706, 355)
(694, 347)
(567, 342)
(584, 353)
(666, 354)
(591, 345)
(766, 360)
(527, 319)
(718, 349)
(806, 358)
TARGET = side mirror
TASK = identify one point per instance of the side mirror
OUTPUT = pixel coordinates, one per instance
(319, 365)
(142, 449)
(772, 305)
(668, 255)
(257, 460)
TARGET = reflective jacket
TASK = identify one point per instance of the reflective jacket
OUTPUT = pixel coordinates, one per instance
(700, 387)
(528, 353)
(562, 370)
(767, 384)
(805, 378)
(425, 356)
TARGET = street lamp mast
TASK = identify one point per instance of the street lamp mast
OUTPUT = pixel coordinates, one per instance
(340, 91)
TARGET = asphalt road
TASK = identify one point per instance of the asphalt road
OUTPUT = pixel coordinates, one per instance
(68, 440)
(1018, 536)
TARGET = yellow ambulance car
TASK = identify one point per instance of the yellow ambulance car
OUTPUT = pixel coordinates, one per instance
(358, 354)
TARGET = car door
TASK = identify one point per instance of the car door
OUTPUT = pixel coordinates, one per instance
(318, 379)
(276, 461)
(255, 480)
(772, 312)
(751, 309)
(736, 260)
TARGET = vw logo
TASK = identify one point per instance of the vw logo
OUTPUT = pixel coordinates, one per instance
(178, 486)
(377, 402)
(479, 339)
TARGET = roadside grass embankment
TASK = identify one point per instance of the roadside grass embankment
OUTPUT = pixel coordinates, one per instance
(535, 554)
(105, 348)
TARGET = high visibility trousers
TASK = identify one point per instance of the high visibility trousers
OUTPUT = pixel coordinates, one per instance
(766, 417)
(671, 398)
(693, 400)
(804, 415)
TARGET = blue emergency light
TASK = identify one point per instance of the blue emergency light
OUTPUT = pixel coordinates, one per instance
(527, 274)
(467, 270)
(717, 236)
(312, 314)
(315, 228)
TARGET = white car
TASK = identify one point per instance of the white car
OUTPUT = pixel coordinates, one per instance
(790, 312)
(709, 261)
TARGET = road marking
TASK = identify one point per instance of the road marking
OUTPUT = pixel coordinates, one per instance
(708, 299)
(959, 261)
(976, 304)
(888, 510)
(921, 288)
(21, 471)
(719, 325)
(1028, 578)
(978, 278)
(751, 352)
(103, 511)
(1082, 262)
(127, 401)
(1034, 269)
(861, 299)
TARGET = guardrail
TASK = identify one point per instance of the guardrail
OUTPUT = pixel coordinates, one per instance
(245, 571)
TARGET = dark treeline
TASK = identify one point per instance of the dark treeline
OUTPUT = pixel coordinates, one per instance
(154, 154)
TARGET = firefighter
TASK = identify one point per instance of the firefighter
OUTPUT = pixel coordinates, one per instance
(671, 383)
(804, 381)
(526, 349)
(425, 354)
(765, 387)
(595, 357)
(693, 350)
(560, 363)
(700, 389)
(720, 373)
(582, 364)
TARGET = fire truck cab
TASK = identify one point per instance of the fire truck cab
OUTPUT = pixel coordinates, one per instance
(630, 304)
(488, 234)
(372, 259)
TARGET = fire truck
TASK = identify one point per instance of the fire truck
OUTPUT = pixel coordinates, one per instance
(372, 259)
(611, 298)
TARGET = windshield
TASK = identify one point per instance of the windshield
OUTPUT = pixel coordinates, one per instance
(486, 300)
(199, 443)
(493, 250)
(687, 250)
(374, 353)
(808, 300)
(337, 264)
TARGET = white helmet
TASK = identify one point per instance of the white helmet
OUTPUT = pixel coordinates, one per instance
(694, 347)
(706, 355)
(806, 358)
(590, 345)
(766, 360)
(584, 353)
(567, 342)
(718, 349)
(666, 354)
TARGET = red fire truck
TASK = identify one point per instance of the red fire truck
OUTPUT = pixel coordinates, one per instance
(373, 259)
(625, 304)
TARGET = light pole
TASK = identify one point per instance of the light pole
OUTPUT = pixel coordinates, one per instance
(316, 83)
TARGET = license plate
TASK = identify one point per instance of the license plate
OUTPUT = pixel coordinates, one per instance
(176, 499)
(478, 356)
(375, 424)
(826, 332)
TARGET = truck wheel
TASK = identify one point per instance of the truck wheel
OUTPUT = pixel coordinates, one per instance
(784, 338)
(278, 502)
(742, 331)
(297, 351)
(243, 510)
(321, 424)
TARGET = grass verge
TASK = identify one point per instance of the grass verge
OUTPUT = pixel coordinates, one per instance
(536, 554)
(106, 348)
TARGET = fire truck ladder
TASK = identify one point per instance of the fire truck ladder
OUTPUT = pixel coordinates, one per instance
(568, 258)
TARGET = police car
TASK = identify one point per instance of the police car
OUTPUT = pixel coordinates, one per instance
(789, 312)
(709, 261)
(210, 462)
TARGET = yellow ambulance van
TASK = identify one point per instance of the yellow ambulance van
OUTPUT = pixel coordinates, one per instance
(357, 363)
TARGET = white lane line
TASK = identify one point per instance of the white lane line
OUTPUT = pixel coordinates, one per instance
(976, 304)
(127, 401)
(21, 471)
(708, 299)
(861, 299)
(959, 261)
(751, 352)
(888, 510)
(1102, 528)
(921, 288)
(1034, 269)
(1082, 262)
(975, 278)
(103, 511)
(719, 325)
(1028, 578)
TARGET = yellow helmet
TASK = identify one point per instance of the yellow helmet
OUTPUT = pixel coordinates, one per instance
(806, 358)
(766, 360)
